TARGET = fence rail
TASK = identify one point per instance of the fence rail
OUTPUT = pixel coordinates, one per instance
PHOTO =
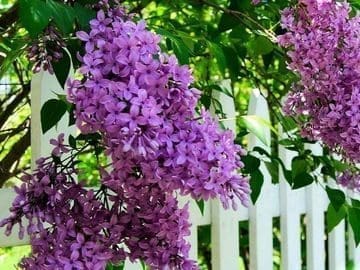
(276, 200)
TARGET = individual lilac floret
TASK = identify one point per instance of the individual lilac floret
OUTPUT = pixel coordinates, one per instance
(60, 148)
(322, 39)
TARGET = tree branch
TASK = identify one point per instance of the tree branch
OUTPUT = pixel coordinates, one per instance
(241, 16)
(15, 154)
(5, 133)
(11, 107)
(140, 7)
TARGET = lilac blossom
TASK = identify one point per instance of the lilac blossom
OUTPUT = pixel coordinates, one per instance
(145, 108)
(322, 39)
(142, 104)
(47, 49)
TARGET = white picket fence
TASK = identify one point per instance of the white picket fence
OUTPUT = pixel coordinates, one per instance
(275, 201)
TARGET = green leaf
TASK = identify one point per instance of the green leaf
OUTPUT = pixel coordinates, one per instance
(299, 165)
(256, 183)
(84, 15)
(354, 220)
(302, 180)
(260, 45)
(273, 170)
(251, 163)
(205, 100)
(334, 217)
(72, 119)
(288, 123)
(355, 203)
(218, 53)
(221, 89)
(336, 197)
(257, 126)
(227, 21)
(51, 113)
(181, 50)
(201, 205)
(328, 170)
(274, 158)
(62, 68)
(110, 266)
(232, 61)
(34, 16)
(63, 15)
(340, 166)
(286, 142)
(72, 141)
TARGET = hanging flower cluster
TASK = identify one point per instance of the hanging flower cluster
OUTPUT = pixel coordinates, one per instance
(323, 43)
(46, 50)
(141, 102)
(76, 228)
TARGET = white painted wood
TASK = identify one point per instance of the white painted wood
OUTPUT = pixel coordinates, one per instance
(224, 223)
(260, 214)
(43, 88)
(354, 252)
(337, 258)
(289, 217)
(195, 218)
(336, 241)
(132, 266)
(315, 227)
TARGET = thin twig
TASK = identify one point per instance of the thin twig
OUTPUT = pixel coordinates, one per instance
(240, 15)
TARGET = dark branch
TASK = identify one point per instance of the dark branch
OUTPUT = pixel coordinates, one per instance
(14, 155)
(140, 7)
(11, 107)
(6, 133)
(242, 17)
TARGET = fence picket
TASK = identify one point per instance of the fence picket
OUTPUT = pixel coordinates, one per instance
(260, 214)
(315, 228)
(289, 218)
(224, 223)
(40, 93)
(354, 252)
(337, 259)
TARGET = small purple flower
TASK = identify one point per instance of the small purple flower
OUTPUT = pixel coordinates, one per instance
(59, 145)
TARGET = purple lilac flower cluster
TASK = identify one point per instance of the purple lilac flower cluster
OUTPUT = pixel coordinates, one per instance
(66, 222)
(47, 49)
(72, 227)
(323, 46)
(141, 102)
